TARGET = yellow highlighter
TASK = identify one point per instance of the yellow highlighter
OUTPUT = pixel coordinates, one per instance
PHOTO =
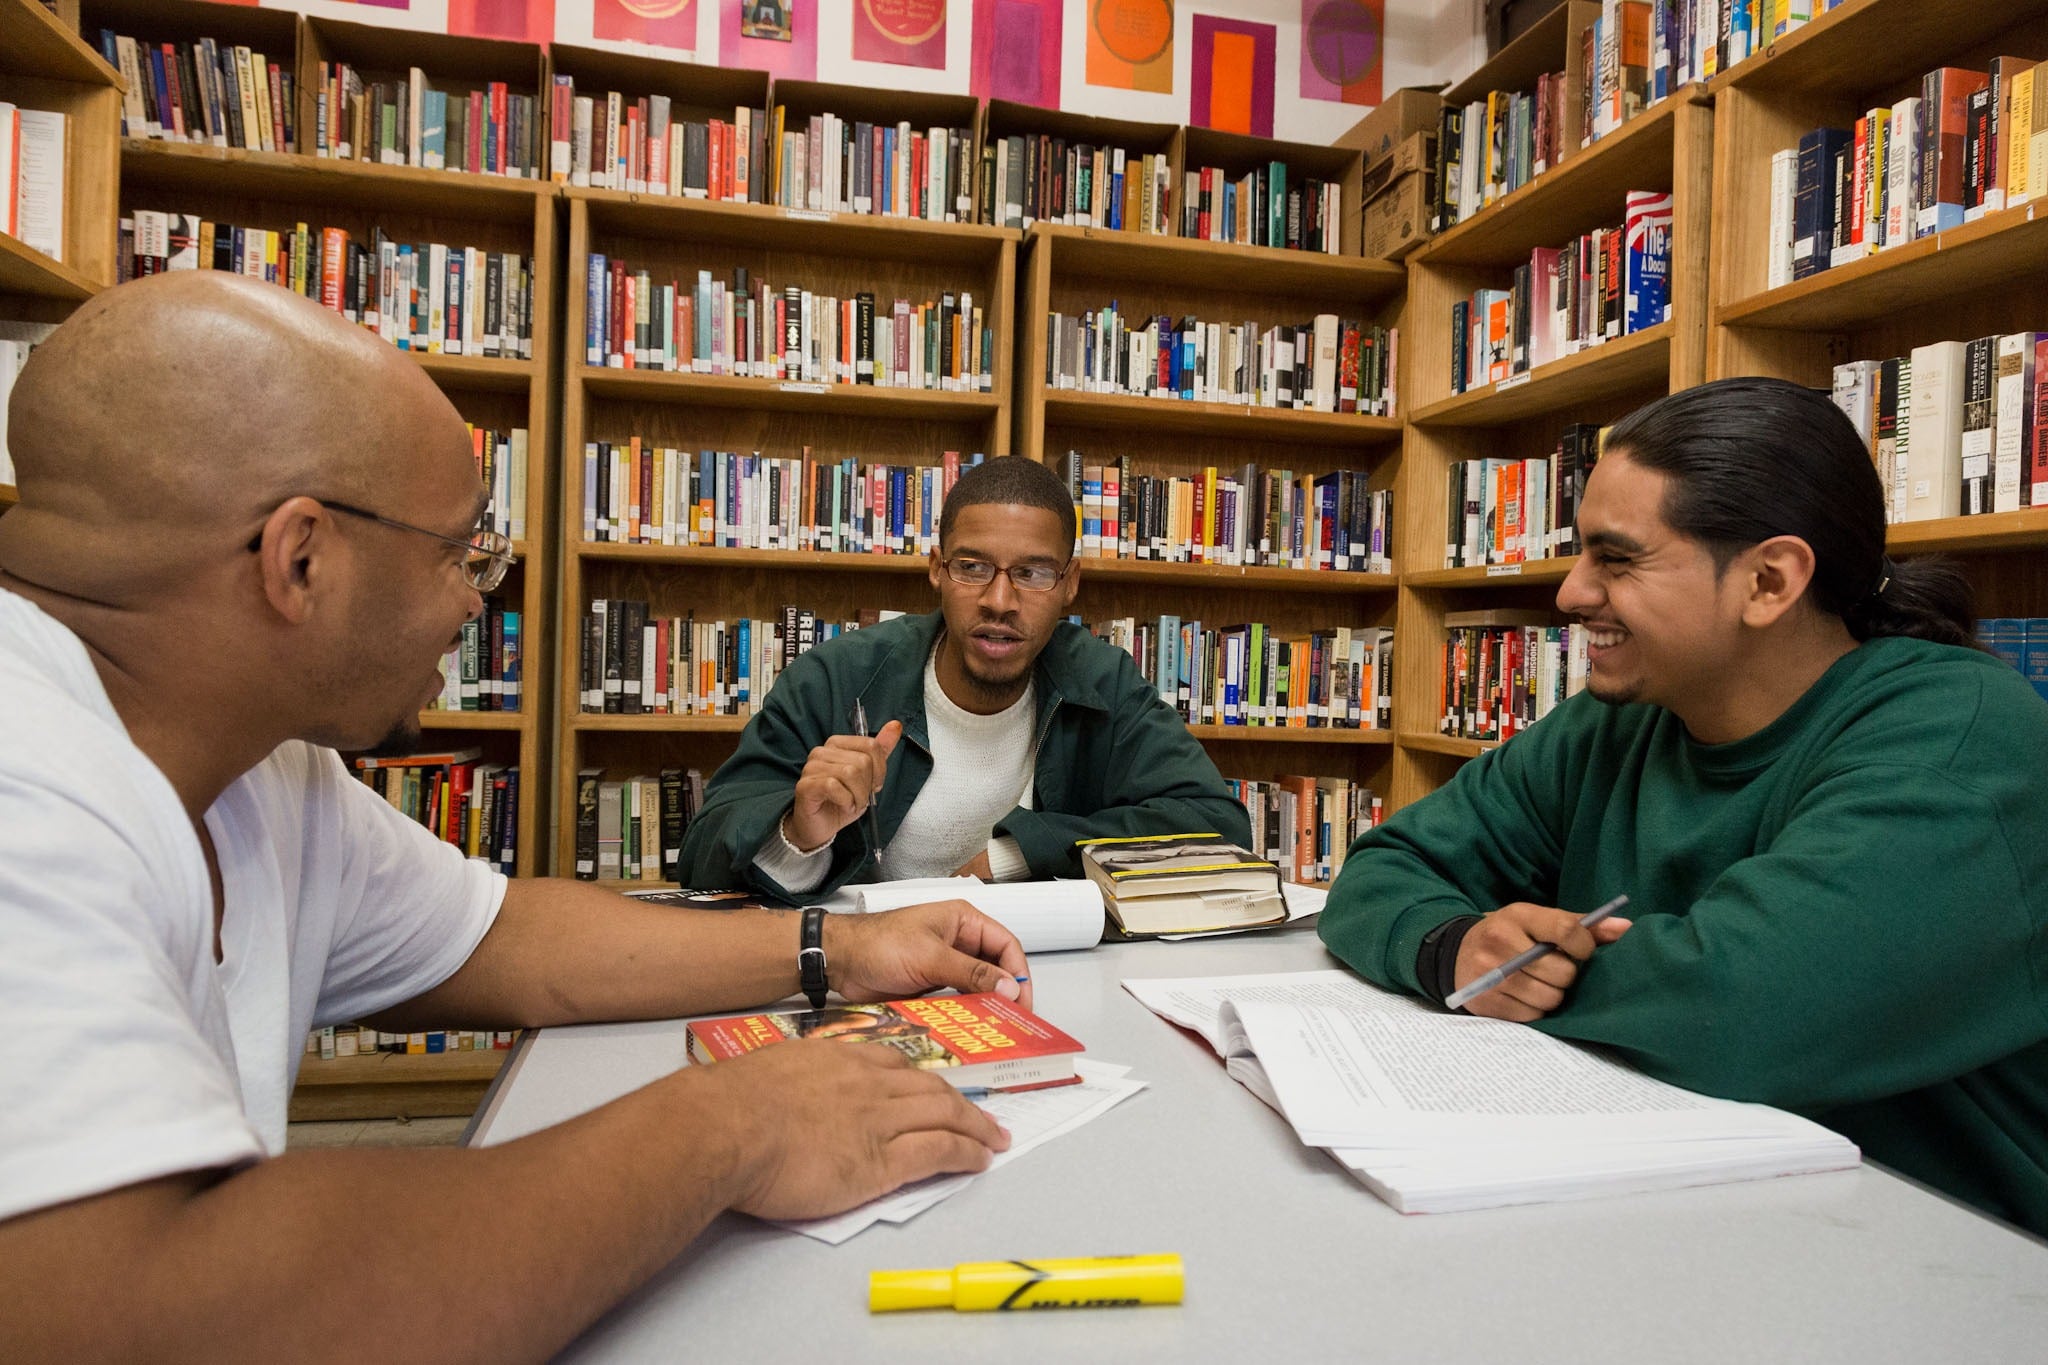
(1014, 1286)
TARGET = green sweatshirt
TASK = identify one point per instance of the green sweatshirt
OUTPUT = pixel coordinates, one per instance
(1845, 914)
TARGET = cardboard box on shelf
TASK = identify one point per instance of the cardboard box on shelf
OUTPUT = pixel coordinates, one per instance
(1398, 117)
(1397, 218)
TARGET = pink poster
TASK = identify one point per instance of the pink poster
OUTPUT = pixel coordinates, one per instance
(900, 32)
(1341, 45)
(658, 23)
(1232, 76)
(1017, 51)
(776, 36)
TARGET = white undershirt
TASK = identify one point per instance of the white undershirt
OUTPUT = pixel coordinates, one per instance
(981, 770)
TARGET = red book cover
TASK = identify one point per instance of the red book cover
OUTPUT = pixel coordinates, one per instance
(2036, 474)
(976, 1042)
(474, 156)
(499, 93)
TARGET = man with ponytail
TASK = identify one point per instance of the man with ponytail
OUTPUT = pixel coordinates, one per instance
(1824, 803)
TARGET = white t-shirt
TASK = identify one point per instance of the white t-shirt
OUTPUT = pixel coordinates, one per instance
(126, 1052)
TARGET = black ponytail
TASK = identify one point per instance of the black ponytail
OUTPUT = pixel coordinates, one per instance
(1753, 458)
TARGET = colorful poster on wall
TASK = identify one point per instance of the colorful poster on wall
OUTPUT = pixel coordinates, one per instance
(1130, 45)
(776, 36)
(1342, 42)
(900, 32)
(1232, 76)
(661, 23)
(524, 21)
(1017, 51)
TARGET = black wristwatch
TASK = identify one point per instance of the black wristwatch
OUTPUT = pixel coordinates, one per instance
(810, 957)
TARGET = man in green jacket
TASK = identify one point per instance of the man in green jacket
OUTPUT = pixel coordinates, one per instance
(1824, 805)
(1024, 732)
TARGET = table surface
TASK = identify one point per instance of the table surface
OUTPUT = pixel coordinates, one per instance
(1287, 1256)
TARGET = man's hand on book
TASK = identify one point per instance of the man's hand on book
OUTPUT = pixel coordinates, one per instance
(921, 948)
(824, 1126)
(1539, 988)
(840, 778)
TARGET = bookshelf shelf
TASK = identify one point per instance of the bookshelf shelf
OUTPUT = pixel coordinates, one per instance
(1876, 43)
(388, 1084)
(477, 372)
(24, 270)
(2026, 529)
(9, 495)
(646, 723)
(1178, 263)
(1128, 412)
(769, 227)
(184, 167)
(777, 395)
(1492, 575)
(1288, 734)
(34, 42)
(1600, 372)
(1573, 197)
(1266, 578)
(708, 556)
(472, 720)
(2006, 247)
(1445, 744)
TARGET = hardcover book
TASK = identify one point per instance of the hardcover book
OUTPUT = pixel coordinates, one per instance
(1183, 884)
(975, 1042)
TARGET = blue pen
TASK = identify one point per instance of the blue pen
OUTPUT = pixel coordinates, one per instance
(1520, 960)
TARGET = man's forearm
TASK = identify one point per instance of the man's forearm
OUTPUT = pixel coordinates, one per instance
(550, 1230)
(567, 952)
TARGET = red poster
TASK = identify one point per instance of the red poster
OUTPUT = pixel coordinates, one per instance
(662, 23)
(901, 32)
(525, 21)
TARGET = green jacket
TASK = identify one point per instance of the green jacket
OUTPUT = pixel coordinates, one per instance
(1845, 914)
(1111, 757)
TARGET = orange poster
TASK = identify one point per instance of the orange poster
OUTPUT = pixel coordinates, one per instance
(1130, 44)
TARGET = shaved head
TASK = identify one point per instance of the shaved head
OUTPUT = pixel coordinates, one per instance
(187, 448)
(182, 408)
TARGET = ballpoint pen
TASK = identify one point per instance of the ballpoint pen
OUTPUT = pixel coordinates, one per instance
(860, 728)
(1457, 998)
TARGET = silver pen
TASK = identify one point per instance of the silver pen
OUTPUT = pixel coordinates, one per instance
(860, 728)
(1456, 999)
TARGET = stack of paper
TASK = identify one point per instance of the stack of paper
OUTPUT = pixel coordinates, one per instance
(1034, 1117)
(1046, 917)
(1438, 1112)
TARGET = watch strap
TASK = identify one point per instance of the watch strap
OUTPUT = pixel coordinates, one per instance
(810, 957)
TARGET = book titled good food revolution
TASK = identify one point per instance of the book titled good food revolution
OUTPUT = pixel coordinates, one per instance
(1183, 884)
(976, 1042)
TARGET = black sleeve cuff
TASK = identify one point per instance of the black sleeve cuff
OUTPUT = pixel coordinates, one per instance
(1436, 962)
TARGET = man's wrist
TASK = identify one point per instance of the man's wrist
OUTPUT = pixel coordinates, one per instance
(1436, 962)
(789, 841)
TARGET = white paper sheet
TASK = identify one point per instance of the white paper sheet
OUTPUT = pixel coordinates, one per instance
(1034, 1117)
(1303, 902)
(1046, 917)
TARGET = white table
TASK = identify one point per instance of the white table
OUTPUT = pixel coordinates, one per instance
(1289, 1259)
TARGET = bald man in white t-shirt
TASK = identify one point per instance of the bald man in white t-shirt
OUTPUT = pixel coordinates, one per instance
(245, 538)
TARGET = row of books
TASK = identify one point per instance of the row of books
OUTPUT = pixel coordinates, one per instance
(420, 296)
(1956, 428)
(752, 330)
(1493, 146)
(1962, 147)
(1262, 207)
(221, 96)
(1328, 364)
(632, 829)
(488, 129)
(32, 177)
(461, 799)
(1247, 516)
(501, 464)
(833, 165)
(610, 142)
(1305, 825)
(1505, 670)
(636, 663)
(1035, 177)
(1699, 39)
(1608, 284)
(2021, 641)
(486, 672)
(636, 492)
(1255, 675)
(1616, 49)
(360, 1040)
(1510, 511)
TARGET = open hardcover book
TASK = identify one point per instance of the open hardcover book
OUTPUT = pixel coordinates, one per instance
(976, 1042)
(1438, 1113)
(1183, 884)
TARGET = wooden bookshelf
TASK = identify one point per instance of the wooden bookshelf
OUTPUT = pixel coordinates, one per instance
(696, 94)
(1972, 281)
(1667, 147)
(1002, 119)
(386, 1085)
(9, 496)
(1069, 270)
(1238, 154)
(44, 65)
(839, 254)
